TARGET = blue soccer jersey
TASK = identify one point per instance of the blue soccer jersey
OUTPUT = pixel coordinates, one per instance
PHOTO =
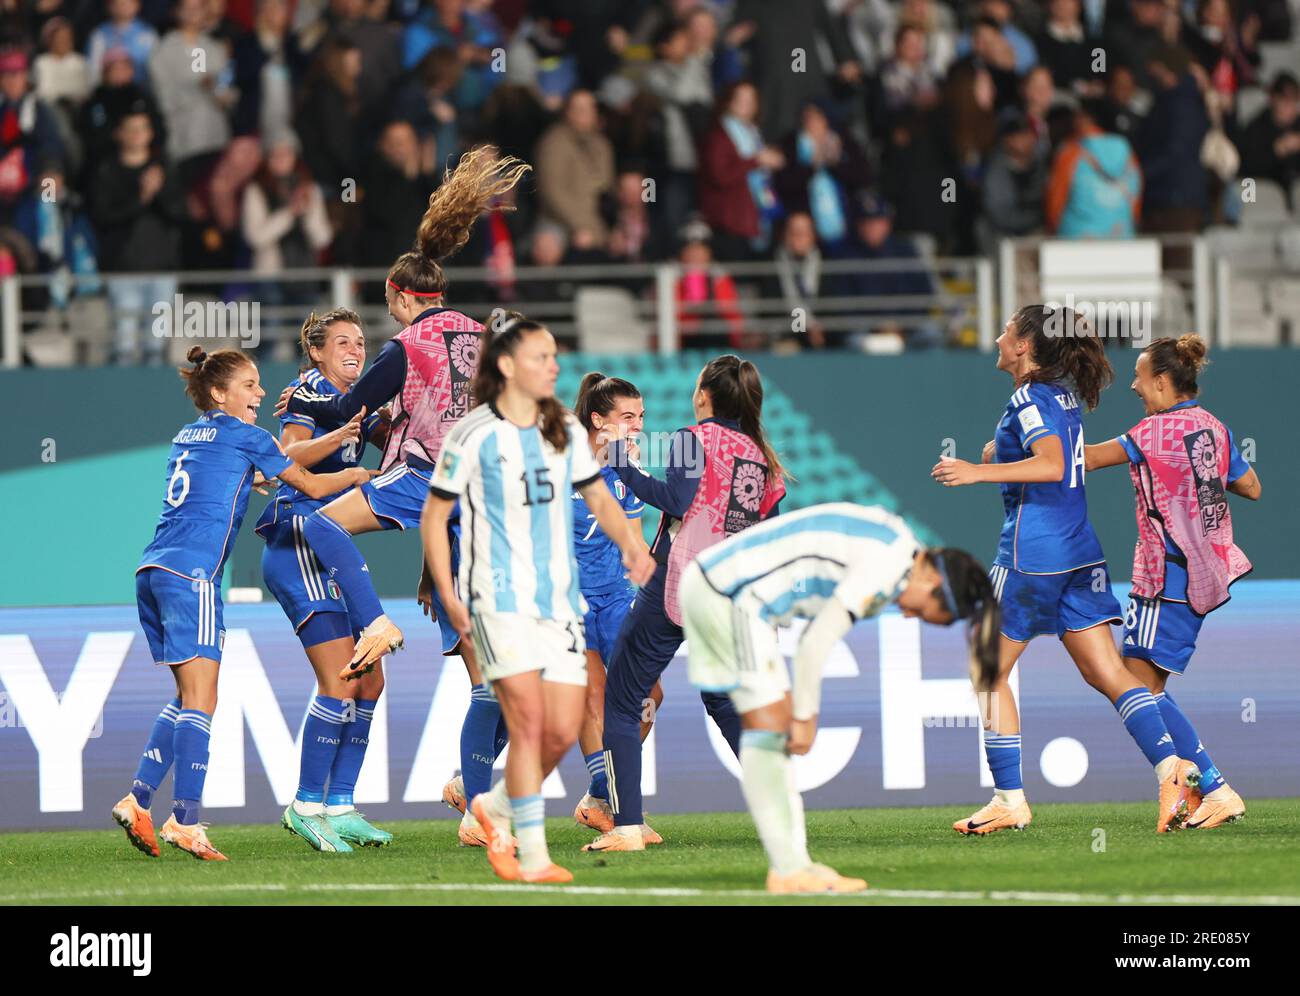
(1046, 530)
(209, 478)
(600, 563)
(349, 455)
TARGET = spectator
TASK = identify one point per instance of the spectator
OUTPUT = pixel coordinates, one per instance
(900, 323)
(138, 207)
(999, 14)
(635, 232)
(380, 45)
(116, 95)
(29, 133)
(798, 282)
(62, 76)
(823, 171)
(1064, 49)
(1229, 55)
(908, 79)
(268, 67)
(186, 68)
(992, 54)
(970, 97)
(329, 115)
(575, 166)
(123, 29)
(475, 35)
(1095, 184)
(706, 295)
(1037, 96)
(1151, 25)
(1127, 104)
(736, 196)
(707, 43)
(549, 247)
(1176, 194)
(397, 189)
(936, 22)
(426, 100)
(1270, 145)
(1014, 181)
(61, 234)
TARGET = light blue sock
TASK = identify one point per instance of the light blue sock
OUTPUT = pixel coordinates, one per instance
(156, 760)
(599, 787)
(1188, 743)
(1141, 716)
(478, 741)
(1003, 753)
(321, 735)
(351, 754)
(190, 745)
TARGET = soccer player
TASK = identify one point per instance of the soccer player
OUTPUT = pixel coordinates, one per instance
(337, 729)
(834, 565)
(426, 371)
(515, 460)
(211, 470)
(1050, 575)
(608, 408)
(1183, 461)
(722, 476)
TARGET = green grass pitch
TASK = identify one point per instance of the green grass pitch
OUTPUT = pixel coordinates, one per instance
(1077, 853)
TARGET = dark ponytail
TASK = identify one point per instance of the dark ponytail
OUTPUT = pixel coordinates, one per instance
(968, 592)
(1180, 360)
(501, 338)
(597, 395)
(210, 371)
(1066, 349)
(736, 390)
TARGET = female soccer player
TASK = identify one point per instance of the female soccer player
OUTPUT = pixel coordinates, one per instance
(337, 730)
(426, 371)
(1050, 575)
(608, 408)
(1183, 461)
(833, 564)
(722, 477)
(210, 473)
(515, 460)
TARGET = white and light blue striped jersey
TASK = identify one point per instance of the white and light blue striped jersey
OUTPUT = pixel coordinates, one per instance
(790, 566)
(515, 512)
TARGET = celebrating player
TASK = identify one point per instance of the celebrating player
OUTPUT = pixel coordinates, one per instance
(1050, 575)
(1183, 461)
(426, 371)
(608, 408)
(337, 730)
(833, 564)
(210, 473)
(515, 459)
(722, 477)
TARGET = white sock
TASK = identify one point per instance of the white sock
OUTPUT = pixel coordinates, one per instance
(498, 801)
(307, 808)
(529, 814)
(1167, 767)
(1011, 798)
(764, 778)
(338, 810)
(799, 823)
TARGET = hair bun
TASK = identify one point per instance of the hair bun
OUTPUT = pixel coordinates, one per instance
(196, 355)
(1191, 350)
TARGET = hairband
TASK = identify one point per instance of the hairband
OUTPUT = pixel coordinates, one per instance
(948, 598)
(403, 290)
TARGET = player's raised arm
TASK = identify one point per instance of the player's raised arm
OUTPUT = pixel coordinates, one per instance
(1047, 465)
(299, 446)
(1108, 454)
(323, 485)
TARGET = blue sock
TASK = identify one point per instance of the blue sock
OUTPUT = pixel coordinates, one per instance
(1003, 753)
(352, 751)
(599, 787)
(190, 746)
(156, 760)
(1188, 743)
(723, 710)
(1137, 708)
(334, 548)
(501, 737)
(478, 741)
(321, 735)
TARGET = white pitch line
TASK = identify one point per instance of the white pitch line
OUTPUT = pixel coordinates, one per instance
(1122, 899)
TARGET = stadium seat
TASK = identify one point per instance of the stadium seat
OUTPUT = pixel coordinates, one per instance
(608, 321)
(1269, 208)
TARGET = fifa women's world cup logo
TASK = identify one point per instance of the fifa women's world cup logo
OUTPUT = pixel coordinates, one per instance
(463, 350)
(1210, 494)
(748, 484)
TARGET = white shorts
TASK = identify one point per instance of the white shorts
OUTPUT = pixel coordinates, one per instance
(731, 649)
(509, 643)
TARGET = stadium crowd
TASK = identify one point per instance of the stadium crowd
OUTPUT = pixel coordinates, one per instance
(136, 135)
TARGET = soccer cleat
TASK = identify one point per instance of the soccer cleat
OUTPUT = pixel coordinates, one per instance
(501, 846)
(356, 829)
(470, 833)
(594, 813)
(379, 638)
(804, 880)
(649, 836)
(315, 831)
(618, 839)
(838, 882)
(1174, 793)
(192, 838)
(551, 873)
(995, 816)
(138, 824)
(453, 794)
(1219, 807)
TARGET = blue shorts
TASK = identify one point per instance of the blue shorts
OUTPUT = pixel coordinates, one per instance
(181, 617)
(605, 613)
(1053, 604)
(1161, 632)
(300, 584)
(397, 496)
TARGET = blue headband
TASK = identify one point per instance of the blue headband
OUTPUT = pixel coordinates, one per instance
(948, 598)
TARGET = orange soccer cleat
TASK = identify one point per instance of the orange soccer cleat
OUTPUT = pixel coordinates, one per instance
(838, 882)
(138, 824)
(995, 816)
(379, 638)
(594, 813)
(453, 794)
(804, 880)
(1174, 794)
(1219, 807)
(618, 839)
(500, 845)
(192, 838)
(552, 873)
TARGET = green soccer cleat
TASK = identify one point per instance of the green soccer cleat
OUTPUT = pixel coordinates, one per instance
(315, 831)
(352, 826)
